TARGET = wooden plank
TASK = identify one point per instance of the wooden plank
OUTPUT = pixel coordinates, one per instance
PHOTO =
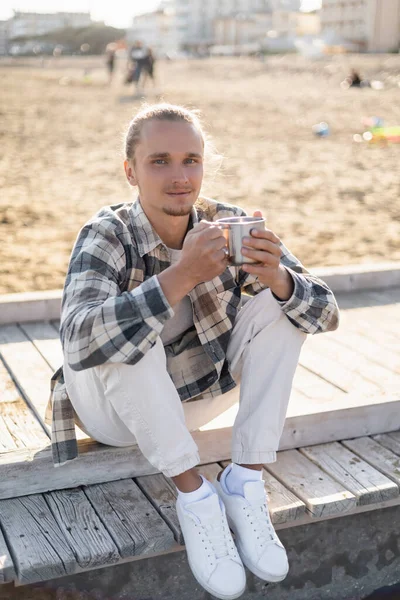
(376, 455)
(29, 369)
(18, 426)
(367, 484)
(333, 421)
(368, 327)
(7, 571)
(391, 441)
(386, 310)
(7, 442)
(284, 507)
(357, 510)
(321, 494)
(368, 299)
(82, 528)
(396, 436)
(373, 351)
(162, 493)
(24, 472)
(314, 387)
(383, 317)
(46, 339)
(56, 325)
(131, 520)
(297, 397)
(362, 306)
(29, 471)
(8, 390)
(222, 416)
(368, 370)
(342, 376)
(390, 296)
(315, 425)
(38, 547)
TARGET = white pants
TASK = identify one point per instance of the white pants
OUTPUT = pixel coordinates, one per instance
(121, 405)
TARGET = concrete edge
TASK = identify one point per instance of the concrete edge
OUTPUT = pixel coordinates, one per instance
(45, 306)
(30, 306)
(352, 278)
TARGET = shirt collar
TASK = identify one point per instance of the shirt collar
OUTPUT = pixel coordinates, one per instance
(147, 238)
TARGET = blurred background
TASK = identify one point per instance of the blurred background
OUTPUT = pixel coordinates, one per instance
(301, 99)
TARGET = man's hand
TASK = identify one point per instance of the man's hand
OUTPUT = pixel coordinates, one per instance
(203, 256)
(263, 247)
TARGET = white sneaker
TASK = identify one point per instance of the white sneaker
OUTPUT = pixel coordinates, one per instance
(212, 554)
(258, 545)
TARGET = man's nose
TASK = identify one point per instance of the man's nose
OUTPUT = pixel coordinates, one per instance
(179, 174)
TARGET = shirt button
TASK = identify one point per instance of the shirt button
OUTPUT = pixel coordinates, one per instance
(64, 396)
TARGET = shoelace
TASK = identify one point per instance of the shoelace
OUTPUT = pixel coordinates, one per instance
(220, 538)
(261, 522)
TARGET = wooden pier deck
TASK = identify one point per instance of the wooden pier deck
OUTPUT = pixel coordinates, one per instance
(340, 452)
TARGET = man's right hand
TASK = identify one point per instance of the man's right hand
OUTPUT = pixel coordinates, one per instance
(202, 259)
(203, 253)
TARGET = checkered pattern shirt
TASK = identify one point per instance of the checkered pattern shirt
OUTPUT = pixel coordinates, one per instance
(113, 310)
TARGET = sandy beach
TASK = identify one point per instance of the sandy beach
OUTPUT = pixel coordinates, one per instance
(333, 201)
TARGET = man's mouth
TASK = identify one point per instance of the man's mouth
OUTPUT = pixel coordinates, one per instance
(179, 192)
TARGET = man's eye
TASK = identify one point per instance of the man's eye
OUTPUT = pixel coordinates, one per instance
(159, 161)
(190, 161)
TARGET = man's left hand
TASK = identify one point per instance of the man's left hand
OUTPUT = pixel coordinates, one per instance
(263, 247)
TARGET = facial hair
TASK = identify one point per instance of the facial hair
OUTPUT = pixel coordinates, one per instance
(182, 211)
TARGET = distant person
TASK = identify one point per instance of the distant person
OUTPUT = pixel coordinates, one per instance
(110, 61)
(354, 79)
(148, 67)
(137, 59)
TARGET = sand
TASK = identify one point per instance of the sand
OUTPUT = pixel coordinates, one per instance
(332, 201)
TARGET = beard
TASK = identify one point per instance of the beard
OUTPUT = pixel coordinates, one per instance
(178, 211)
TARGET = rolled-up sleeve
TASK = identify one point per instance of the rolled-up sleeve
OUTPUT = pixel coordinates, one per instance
(99, 323)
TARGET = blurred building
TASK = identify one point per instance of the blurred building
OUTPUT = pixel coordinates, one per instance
(30, 24)
(3, 37)
(295, 23)
(289, 27)
(203, 23)
(191, 24)
(155, 29)
(241, 30)
(198, 25)
(370, 25)
(308, 24)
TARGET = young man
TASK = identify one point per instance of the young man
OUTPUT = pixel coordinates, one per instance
(152, 317)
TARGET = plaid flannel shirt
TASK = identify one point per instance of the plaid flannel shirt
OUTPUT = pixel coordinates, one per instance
(113, 310)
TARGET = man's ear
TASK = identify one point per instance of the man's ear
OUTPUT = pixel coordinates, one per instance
(130, 172)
